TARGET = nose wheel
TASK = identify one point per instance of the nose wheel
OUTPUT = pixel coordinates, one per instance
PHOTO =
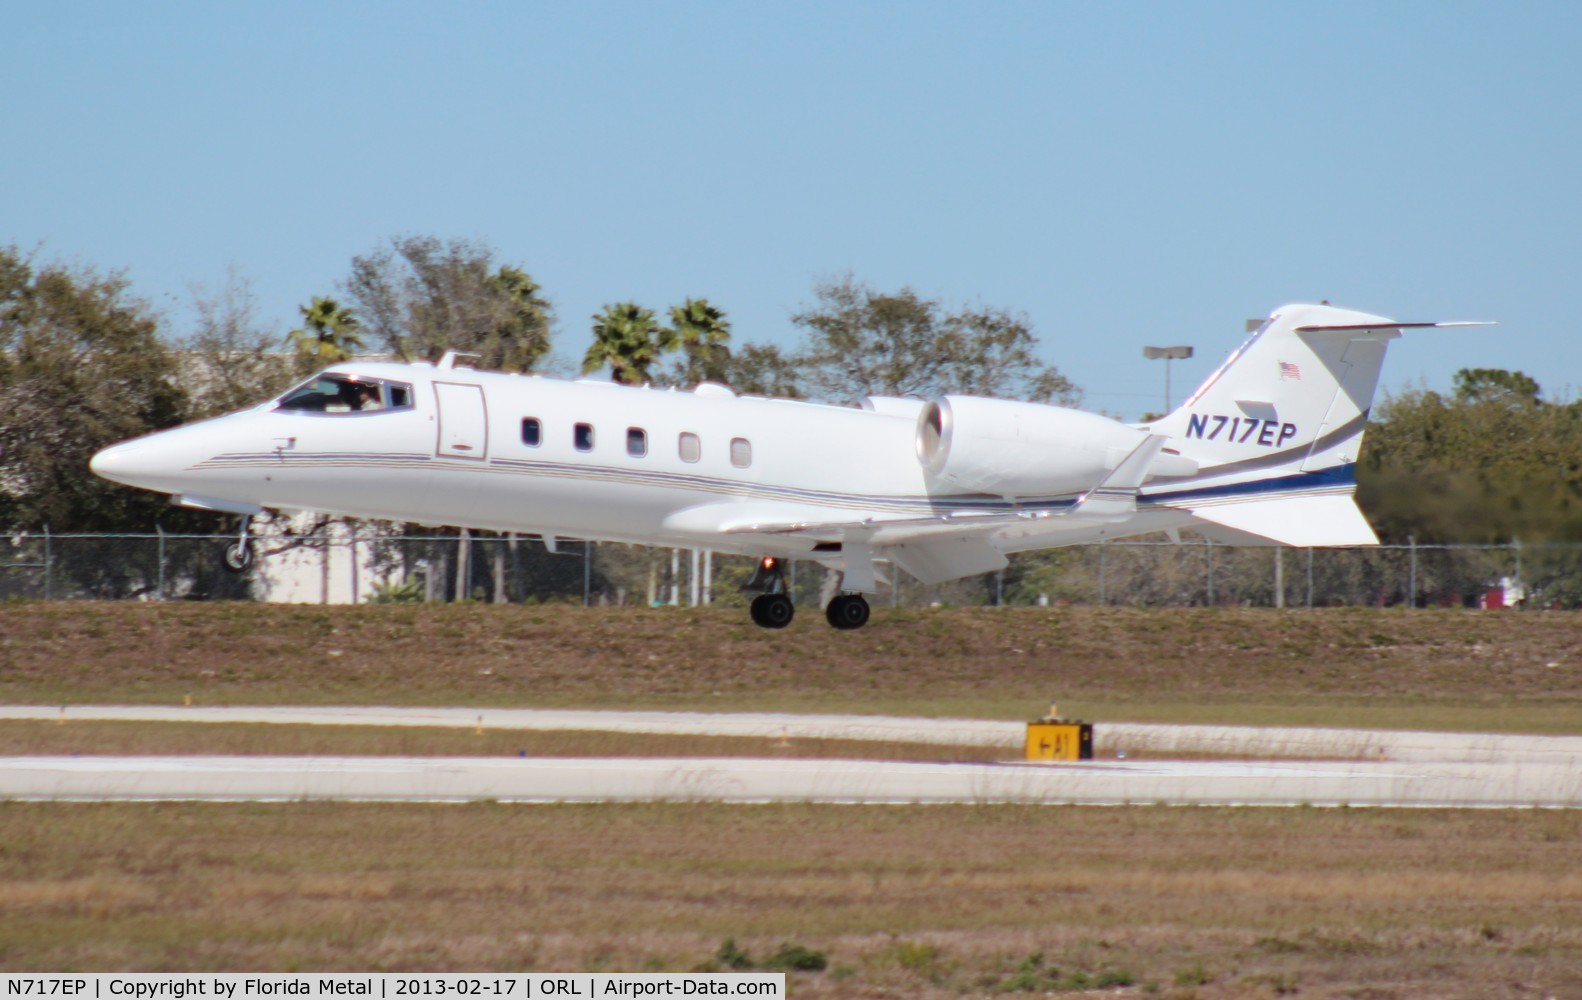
(238, 557)
(847, 611)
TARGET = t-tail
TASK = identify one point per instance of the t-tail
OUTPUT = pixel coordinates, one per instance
(1276, 431)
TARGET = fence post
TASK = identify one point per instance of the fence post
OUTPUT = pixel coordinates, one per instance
(1208, 548)
(159, 593)
(1411, 586)
(1102, 600)
(1310, 579)
(1279, 577)
(1516, 547)
(587, 571)
(49, 567)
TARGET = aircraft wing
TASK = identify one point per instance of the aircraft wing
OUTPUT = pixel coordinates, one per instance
(932, 547)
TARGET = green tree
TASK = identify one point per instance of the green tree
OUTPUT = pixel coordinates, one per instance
(1495, 385)
(702, 332)
(82, 366)
(229, 360)
(629, 340)
(860, 342)
(1492, 463)
(328, 335)
(421, 296)
(522, 320)
(762, 370)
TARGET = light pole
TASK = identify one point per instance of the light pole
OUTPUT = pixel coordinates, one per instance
(1169, 354)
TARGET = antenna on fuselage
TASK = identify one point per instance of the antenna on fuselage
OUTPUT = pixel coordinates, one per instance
(448, 359)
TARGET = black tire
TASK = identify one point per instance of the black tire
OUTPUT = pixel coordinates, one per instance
(847, 611)
(772, 610)
(238, 557)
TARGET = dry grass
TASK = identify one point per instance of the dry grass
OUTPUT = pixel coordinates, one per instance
(904, 901)
(941, 901)
(1435, 669)
(30, 738)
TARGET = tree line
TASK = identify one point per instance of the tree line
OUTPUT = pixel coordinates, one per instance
(85, 363)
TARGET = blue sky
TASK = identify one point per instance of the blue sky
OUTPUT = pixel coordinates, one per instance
(1124, 173)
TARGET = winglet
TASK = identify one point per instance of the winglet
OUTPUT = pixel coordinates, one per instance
(1115, 498)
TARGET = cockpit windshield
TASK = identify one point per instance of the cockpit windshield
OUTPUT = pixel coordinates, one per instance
(335, 393)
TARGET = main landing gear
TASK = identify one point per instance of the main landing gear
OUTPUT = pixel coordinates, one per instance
(847, 611)
(773, 608)
(238, 556)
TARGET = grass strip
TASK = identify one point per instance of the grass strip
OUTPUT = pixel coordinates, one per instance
(902, 901)
(1499, 671)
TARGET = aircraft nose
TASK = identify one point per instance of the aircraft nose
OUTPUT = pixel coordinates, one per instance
(123, 463)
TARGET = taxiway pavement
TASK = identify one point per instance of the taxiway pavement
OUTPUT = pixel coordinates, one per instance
(1382, 768)
(510, 779)
(1109, 737)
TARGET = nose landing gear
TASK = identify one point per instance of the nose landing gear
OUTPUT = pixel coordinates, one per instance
(238, 557)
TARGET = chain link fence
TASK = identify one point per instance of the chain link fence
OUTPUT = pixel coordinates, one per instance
(348, 564)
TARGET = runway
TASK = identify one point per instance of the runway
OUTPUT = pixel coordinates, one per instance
(1392, 769)
(452, 779)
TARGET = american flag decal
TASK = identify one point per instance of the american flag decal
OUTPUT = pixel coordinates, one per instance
(1288, 370)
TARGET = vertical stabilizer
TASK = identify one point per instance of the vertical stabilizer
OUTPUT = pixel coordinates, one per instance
(1295, 395)
(1282, 420)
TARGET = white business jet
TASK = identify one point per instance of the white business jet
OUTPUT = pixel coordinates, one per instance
(1263, 452)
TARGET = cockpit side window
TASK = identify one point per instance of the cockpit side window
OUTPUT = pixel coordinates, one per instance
(336, 393)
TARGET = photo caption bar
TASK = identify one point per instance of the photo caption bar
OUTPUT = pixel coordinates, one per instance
(388, 985)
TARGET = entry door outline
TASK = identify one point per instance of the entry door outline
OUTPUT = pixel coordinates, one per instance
(463, 430)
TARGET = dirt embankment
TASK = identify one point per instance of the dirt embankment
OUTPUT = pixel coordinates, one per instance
(964, 661)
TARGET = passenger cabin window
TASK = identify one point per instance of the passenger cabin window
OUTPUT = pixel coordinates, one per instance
(636, 442)
(335, 393)
(691, 448)
(741, 452)
(532, 432)
(582, 437)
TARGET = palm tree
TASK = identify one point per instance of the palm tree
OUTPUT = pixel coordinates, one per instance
(328, 334)
(521, 334)
(627, 339)
(701, 330)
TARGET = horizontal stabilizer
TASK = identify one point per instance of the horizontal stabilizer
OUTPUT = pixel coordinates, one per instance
(1300, 521)
(1379, 327)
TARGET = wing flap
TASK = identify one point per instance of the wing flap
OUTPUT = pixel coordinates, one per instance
(938, 560)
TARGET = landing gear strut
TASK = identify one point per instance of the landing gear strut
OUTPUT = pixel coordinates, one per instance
(238, 556)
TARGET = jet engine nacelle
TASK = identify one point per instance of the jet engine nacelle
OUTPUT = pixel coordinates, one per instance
(1013, 449)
